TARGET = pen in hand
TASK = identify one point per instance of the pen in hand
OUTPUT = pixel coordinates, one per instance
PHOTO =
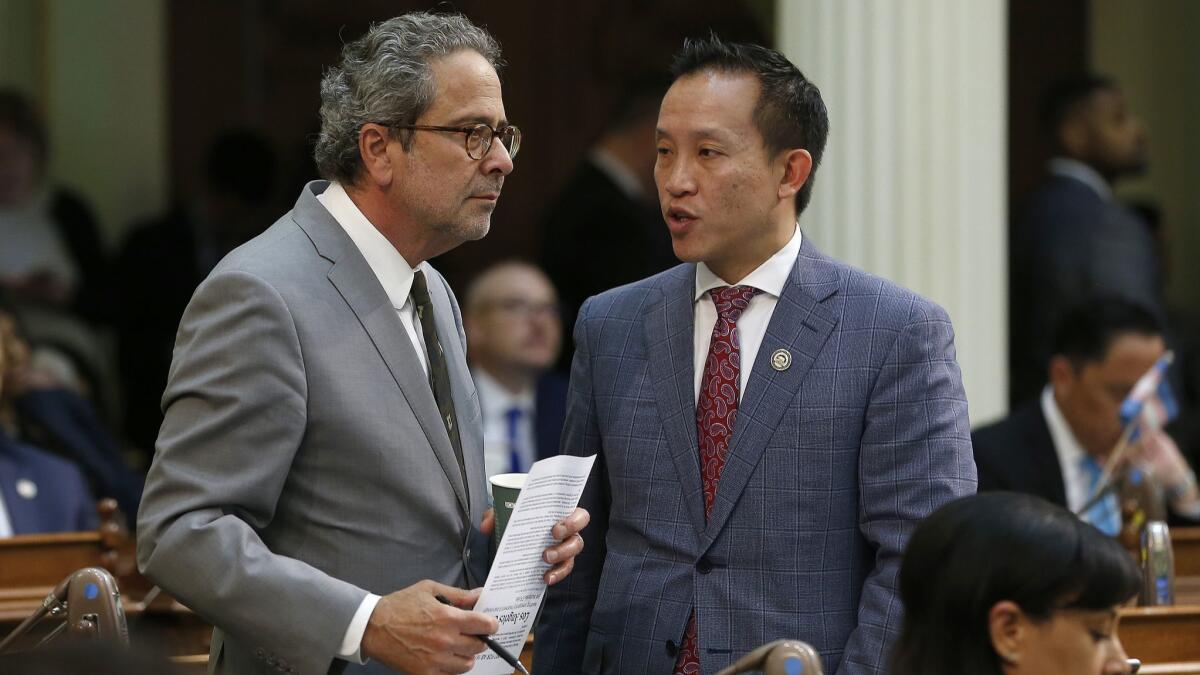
(492, 644)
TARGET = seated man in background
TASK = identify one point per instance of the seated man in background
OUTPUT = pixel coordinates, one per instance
(38, 491)
(1056, 447)
(511, 319)
(38, 408)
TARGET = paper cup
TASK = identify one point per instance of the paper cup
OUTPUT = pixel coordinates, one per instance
(505, 489)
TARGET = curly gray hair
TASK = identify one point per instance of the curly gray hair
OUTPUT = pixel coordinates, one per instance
(385, 76)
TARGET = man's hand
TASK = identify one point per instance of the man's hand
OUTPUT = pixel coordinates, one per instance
(561, 555)
(1159, 454)
(411, 631)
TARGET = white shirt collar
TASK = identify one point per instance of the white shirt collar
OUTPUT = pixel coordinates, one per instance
(609, 165)
(1070, 452)
(1073, 168)
(495, 397)
(392, 270)
(769, 277)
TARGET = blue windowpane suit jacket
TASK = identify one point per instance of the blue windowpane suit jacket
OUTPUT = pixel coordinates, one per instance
(833, 462)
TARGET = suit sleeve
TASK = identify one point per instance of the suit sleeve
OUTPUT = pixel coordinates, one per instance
(562, 631)
(915, 456)
(235, 414)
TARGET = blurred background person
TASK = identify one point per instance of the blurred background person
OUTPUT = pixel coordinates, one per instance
(161, 262)
(511, 318)
(52, 254)
(1073, 238)
(37, 409)
(1010, 584)
(1055, 445)
(39, 492)
(604, 228)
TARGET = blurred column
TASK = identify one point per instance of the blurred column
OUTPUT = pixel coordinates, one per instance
(913, 181)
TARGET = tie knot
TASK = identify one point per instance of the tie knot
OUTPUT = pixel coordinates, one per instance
(731, 301)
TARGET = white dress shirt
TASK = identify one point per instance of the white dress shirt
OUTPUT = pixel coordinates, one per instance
(770, 278)
(31, 242)
(6, 529)
(495, 401)
(1070, 452)
(396, 277)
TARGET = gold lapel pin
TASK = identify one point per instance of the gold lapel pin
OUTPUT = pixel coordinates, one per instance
(781, 360)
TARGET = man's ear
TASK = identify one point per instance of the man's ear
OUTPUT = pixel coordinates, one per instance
(1062, 373)
(1008, 628)
(1073, 136)
(797, 165)
(373, 141)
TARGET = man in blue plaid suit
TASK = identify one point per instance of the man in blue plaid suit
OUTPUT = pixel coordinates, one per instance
(771, 424)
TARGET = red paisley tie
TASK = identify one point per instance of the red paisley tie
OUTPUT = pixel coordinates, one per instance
(716, 411)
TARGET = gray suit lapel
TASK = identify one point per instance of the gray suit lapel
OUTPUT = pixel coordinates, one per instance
(360, 288)
(669, 349)
(801, 325)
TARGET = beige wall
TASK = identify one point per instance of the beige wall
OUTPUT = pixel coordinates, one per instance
(1151, 48)
(97, 69)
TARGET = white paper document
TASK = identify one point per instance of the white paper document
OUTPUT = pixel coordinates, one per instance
(515, 587)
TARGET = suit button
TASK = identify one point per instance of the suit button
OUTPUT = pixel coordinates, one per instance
(672, 648)
(704, 566)
(467, 555)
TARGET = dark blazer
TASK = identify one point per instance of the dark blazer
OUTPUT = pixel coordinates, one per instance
(61, 501)
(833, 462)
(594, 238)
(1017, 454)
(67, 424)
(1070, 244)
(550, 409)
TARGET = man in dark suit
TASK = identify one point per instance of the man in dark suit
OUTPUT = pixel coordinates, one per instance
(604, 229)
(770, 424)
(511, 315)
(1054, 446)
(1072, 239)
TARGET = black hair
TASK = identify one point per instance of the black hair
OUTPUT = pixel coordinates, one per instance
(1063, 98)
(991, 547)
(639, 99)
(19, 115)
(790, 112)
(1086, 331)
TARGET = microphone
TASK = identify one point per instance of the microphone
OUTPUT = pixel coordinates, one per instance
(91, 602)
(781, 657)
(94, 606)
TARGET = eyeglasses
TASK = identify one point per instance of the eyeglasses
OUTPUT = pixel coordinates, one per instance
(478, 137)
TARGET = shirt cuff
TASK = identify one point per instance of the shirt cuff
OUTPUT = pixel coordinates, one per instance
(351, 649)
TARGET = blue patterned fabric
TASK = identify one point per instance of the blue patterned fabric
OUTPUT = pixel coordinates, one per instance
(833, 462)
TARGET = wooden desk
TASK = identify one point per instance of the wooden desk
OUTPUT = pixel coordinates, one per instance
(32, 565)
(1161, 635)
(1186, 543)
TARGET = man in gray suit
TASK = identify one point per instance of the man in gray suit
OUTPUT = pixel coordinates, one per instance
(321, 446)
(771, 423)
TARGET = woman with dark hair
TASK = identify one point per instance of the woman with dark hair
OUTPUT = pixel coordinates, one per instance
(1010, 584)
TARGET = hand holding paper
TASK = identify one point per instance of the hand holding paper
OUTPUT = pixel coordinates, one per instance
(543, 529)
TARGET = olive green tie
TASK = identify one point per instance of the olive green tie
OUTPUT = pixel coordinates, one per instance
(439, 376)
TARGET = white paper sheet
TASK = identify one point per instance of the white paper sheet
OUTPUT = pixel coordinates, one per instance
(515, 587)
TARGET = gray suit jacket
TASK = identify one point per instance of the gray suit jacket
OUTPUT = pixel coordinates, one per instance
(302, 461)
(833, 462)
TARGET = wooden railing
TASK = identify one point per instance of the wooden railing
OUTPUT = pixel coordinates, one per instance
(32, 565)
